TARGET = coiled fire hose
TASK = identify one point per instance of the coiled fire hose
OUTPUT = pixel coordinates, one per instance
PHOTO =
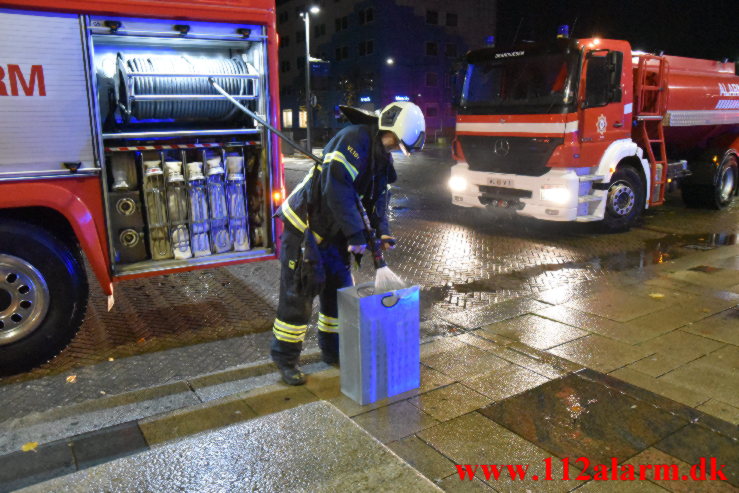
(183, 109)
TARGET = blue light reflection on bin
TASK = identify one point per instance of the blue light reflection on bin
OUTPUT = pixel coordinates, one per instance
(379, 345)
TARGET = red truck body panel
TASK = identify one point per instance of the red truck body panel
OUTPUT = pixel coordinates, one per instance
(80, 200)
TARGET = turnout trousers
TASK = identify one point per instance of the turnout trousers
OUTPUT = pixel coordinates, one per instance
(294, 310)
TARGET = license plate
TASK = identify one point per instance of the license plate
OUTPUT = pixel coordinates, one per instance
(500, 182)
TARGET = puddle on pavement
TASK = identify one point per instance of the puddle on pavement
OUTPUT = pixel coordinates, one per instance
(655, 251)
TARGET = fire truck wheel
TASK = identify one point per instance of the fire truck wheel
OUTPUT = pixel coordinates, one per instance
(724, 188)
(43, 296)
(625, 200)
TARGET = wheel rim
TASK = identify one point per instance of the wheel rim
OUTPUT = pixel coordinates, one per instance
(621, 198)
(726, 185)
(24, 298)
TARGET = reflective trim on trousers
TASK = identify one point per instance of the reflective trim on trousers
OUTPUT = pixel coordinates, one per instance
(327, 324)
(288, 332)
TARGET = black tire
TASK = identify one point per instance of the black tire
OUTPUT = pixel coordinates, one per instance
(624, 201)
(724, 186)
(58, 281)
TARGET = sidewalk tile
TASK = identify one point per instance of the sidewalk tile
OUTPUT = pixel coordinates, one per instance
(679, 344)
(449, 402)
(693, 442)
(440, 345)
(727, 356)
(574, 417)
(653, 456)
(505, 382)
(483, 339)
(474, 439)
(187, 421)
(108, 444)
(642, 394)
(705, 293)
(722, 327)
(617, 305)
(563, 294)
(600, 353)
(279, 397)
(719, 278)
(624, 332)
(422, 457)
(705, 376)
(21, 469)
(721, 410)
(395, 421)
(620, 487)
(472, 319)
(657, 364)
(535, 331)
(325, 384)
(452, 484)
(661, 387)
(430, 380)
(463, 362)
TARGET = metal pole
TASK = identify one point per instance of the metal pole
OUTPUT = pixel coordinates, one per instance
(307, 83)
(261, 120)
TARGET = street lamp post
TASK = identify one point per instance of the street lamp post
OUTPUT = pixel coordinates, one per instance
(308, 110)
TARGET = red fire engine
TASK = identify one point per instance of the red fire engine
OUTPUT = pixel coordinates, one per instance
(589, 130)
(117, 150)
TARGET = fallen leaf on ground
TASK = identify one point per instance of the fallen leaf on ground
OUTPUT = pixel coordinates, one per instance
(30, 446)
(656, 296)
(71, 378)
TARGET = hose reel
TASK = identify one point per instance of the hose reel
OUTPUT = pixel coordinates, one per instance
(176, 87)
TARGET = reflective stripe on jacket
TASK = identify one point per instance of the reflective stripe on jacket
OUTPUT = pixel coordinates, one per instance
(345, 174)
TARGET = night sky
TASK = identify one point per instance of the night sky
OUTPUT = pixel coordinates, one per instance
(693, 28)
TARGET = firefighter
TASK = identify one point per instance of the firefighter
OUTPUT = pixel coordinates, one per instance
(357, 165)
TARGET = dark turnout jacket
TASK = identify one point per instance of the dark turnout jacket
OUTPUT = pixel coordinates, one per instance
(355, 164)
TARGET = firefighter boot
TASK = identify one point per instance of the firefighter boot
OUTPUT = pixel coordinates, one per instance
(286, 356)
(329, 344)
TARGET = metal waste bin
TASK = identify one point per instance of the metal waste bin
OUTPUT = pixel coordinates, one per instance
(379, 343)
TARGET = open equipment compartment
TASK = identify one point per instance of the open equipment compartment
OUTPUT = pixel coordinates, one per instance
(186, 175)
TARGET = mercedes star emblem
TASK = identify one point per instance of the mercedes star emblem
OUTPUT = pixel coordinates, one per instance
(501, 147)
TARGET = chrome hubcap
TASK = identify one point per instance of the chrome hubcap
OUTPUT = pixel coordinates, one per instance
(24, 298)
(726, 185)
(621, 199)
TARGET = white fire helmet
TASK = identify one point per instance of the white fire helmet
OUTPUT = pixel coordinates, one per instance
(406, 121)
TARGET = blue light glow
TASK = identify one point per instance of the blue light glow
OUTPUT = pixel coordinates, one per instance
(365, 99)
(402, 98)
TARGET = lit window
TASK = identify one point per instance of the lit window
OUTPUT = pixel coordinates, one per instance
(287, 118)
(303, 119)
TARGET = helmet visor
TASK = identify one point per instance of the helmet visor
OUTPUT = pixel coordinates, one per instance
(415, 146)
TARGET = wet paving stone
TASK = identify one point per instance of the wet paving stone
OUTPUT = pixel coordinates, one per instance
(600, 353)
(534, 331)
(694, 442)
(576, 417)
(652, 456)
(617, 305)
(424, 458)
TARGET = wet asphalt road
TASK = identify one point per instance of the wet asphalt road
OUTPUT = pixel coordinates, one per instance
(465, 261)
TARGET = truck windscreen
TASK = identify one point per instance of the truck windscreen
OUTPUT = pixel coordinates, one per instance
(517, 82)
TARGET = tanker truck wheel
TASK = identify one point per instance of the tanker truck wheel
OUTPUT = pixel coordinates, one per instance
(43, 296)
(724, 188)
(624, 200)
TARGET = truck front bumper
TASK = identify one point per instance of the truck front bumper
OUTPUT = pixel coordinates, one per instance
(558, 195)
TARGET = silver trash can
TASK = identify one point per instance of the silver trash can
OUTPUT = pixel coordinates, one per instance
(379, 343)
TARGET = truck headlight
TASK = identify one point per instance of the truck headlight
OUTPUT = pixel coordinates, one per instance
(557, 194)
(457, 184)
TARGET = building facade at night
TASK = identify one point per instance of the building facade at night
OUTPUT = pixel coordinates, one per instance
(376, 52)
